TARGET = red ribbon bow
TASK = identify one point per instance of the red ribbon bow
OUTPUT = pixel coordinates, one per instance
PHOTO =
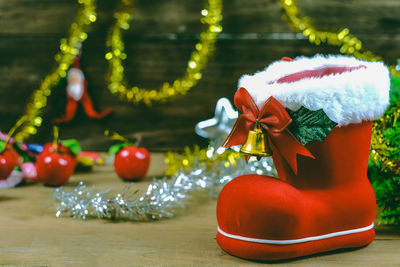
(274, 118)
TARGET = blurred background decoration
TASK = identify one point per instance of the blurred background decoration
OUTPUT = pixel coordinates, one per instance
(192, 53)
(158, 45)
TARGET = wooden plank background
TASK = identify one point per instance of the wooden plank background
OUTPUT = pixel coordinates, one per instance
(158, 44)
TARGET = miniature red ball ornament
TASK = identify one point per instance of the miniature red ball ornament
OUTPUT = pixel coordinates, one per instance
(132, 163)
(7, 163)
(55, 167)
(57, 162)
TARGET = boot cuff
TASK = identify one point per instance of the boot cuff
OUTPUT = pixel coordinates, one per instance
(347, 89)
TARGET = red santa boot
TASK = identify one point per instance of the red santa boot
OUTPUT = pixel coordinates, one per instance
(320, 108)
(77, 92)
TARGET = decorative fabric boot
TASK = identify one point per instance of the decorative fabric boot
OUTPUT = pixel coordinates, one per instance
(320, 108)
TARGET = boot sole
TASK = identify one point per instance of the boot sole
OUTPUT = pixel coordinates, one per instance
(273, 250)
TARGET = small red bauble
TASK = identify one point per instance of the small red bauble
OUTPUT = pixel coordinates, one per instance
(55, 167)
(132, 163)
(7, 163)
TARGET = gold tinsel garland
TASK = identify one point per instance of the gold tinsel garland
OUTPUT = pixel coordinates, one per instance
(380, 146)
(68, 50)
(349, 45)
(193, 157)
(211, 16)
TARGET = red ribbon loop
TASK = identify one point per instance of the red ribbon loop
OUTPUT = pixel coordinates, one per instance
(274, 118)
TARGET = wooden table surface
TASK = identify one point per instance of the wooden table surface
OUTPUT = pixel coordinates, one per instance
(31, 235)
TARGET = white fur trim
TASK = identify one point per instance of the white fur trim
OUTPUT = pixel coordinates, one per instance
(349, 97)
(76, 71)
(76, 89)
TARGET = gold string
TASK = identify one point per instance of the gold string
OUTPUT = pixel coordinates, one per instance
(18, 124)
(211, 17)
(56, 137)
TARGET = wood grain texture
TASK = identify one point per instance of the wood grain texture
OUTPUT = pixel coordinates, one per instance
(158, 44)
(31, 235)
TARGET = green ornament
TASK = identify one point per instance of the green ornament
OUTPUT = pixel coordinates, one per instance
(2, 146)
(114, 149)
(310, 125)
(73, 145)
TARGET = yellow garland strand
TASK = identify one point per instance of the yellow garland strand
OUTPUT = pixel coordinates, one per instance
(191, 158)
(349, 45)
(68, 51)
(380, 146)
(203, 50)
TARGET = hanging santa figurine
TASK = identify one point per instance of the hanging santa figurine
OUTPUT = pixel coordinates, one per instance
(77, 92)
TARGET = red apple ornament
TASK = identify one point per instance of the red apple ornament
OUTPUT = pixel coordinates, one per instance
(55, 164)
(7, 163)
(131, 163)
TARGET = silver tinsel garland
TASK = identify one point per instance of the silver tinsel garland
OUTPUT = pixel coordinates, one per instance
(168, 196)
(164, 197)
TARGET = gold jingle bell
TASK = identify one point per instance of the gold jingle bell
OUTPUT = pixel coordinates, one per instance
(256, 144)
